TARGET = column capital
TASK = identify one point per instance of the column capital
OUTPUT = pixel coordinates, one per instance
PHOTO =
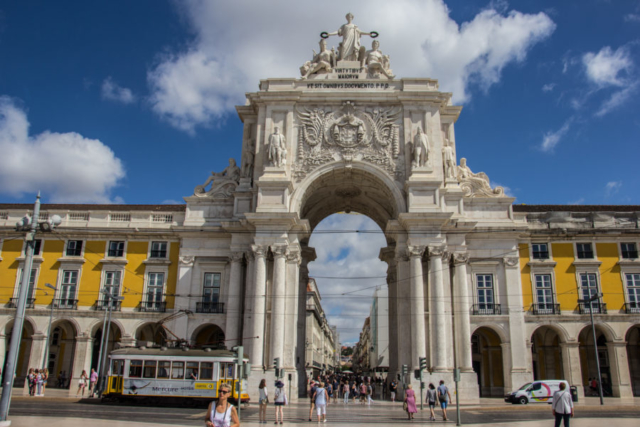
(293, 256)
(259, 251)
(437, 251)
(415, 251)
(616, 344)
(250, 255)
(236, 256)
(511, 262)
(187, 260)
(401, 256)
(279, 250)
(570, 344)
(460, 258)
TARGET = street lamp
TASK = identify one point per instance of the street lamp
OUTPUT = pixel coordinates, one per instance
(45, 359)
(104, 342)
(30, 225)
(595, 342)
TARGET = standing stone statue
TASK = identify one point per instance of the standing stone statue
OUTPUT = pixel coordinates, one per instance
(248, 157)
(420, 154)
(277, 149)
(449, 158)
(349, 48)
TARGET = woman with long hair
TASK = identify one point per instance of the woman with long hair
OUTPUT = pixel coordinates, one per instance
(82, 383)
(222, 413)
(263, 401)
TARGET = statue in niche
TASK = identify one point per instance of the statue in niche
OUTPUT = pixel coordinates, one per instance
(449, 158)
(248, 157)
(277, 149)
(476, 184)
(322, 62)
(222, 183)
(375, 63)
(420, 149)
(349, 48)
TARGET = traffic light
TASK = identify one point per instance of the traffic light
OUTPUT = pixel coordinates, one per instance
(423, 364)
(276, 365)
(405, 369)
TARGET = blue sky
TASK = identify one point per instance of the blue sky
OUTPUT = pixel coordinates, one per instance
(132, 102)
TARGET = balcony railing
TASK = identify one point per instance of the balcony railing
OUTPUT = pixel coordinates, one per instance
(631, 307)
(545, 309)
(65, 304)
(595, 307)
(486, 309)
(209, 307)
(13, 302)
(157, 306)
(104, 305)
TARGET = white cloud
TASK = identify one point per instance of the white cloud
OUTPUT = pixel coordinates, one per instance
(551, 139)
(612, 187)
(171, 202)
(347, 255)
(114, 92)
(67, 167)
(605, 67)
(579, 201)
(507, 190)
(617, 99)
(548, 87)
(632, 17)
(238, 43)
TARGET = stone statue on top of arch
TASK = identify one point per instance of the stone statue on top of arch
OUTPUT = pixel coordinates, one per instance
(349, 48)
(222, 183)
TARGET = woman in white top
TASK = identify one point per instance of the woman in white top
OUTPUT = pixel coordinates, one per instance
(280, 401)
(222, 413)
(263, 400)
(320, 397)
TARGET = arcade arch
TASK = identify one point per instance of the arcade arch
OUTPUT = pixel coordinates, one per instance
(546, 354)
(633, 355)
(208, 335)
(114, 337)
(151, 332)
(25, 358)
(588, 363)
(488, 363)
(62, 349)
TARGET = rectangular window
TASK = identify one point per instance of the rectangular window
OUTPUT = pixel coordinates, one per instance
(177, 370)
(164, 367)
(485, 292)
(588, 285)
(206, 370)
(629, 250)
(155, 290)
(32, 282)
(117, 367)
(68, 288)
(192, 371)
(544, 293)
(149, 369)
(116, 249)
(540, 251)
(37, 246)
(74, 248)
(585, 251)
(158, 250)
(211, 288)
(633, 293)
(135, 369)
(112, 282)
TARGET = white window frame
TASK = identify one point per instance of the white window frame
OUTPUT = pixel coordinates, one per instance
(156, 270)
(66, 245)
(202, 288)
(124, 250)
(626, 292)
(166, 242)
(593, 248)
(110, 268)
(628, 259)
(24, 248)
(552, 287)
(596, 272)
(16, 288)
(532, 259)
(68, 267)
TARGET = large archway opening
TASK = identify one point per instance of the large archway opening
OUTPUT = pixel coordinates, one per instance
(151, 334)
(208, 335)
(633, 355)
(588, 363)
(62, 345)
(24, 356)
(546, 354)
(487, 359)
(115, 334)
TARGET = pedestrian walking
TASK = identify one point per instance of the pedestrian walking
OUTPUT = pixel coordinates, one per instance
(82, 383)
(31, 378)
(444, 396)
(335, 390)
(45, 379)
(363, 393)
(222, 413)
(410, 400)
(320, 398)
(369, 393)
(354, 391)
(263, 401)
(345, 392)
(562, 406)
(393, 387)
(279, 401)
(432, 398)
(312, 392)
(39, 381)
(93, 379)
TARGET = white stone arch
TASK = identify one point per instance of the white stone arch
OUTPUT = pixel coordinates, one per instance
(28, 321)
(76, 328)
(558, 328)
(97, 324)
(604, 327)
(494, 327)
(193, 335)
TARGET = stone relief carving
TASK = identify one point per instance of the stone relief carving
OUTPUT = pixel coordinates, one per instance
(236, 256)
(187, 260)
(279, 250)
(416, 251)
(347, 134)
(223, 184)
(259, 251)
(476, 184)
(376, 64)
(277, 150)
(460, 258)
(511, 261)
(349, 48)
(322, 62)
(420, 149)
(436, 251)
(248, 157)
(294, 256)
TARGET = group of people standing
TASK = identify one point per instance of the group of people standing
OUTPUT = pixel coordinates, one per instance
(441, 396)
(37, 381)
(280, 400)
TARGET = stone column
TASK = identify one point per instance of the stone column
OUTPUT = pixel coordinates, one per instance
(278, 304)
(571, 365)
(179, 326)
(437, 294)
(234, 301)
(418, 333)
(81, 361)
(247, 329)
(291, 311)
(387, 255)
(403, 307)
(619, 367)
(258, 307)
(521, 372)
(462, 306)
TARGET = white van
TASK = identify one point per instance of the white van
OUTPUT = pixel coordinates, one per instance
(535, 392)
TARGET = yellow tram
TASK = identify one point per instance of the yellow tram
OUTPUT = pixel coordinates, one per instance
(173, 373)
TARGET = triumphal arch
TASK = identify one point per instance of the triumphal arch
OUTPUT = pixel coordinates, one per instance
(350, 136)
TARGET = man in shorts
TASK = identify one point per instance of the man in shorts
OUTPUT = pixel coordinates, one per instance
(444, 397)
(312, 392)
(393, 387)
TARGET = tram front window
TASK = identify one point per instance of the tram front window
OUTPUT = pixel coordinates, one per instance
(177, 371)
(117, 367)
(164, 366)
(206, 370)
(135, 369)
(149, 369)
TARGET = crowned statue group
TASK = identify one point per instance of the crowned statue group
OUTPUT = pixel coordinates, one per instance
(373, 62)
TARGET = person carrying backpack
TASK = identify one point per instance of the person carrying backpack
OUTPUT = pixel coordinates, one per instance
(444, 397)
